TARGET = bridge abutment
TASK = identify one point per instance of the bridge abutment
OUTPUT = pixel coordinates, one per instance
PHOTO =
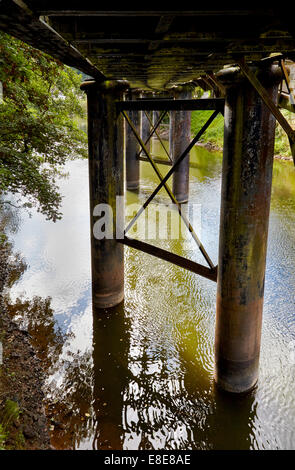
(245, 204)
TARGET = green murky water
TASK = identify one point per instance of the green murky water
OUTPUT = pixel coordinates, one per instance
(140, 376)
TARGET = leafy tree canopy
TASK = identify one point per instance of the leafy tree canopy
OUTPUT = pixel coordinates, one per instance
(38, 125)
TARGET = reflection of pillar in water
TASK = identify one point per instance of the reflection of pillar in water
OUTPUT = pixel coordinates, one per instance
(110, 370)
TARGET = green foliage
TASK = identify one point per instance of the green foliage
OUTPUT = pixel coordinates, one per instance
(282, 146)
(214, 133)
(38, 126)
(3, 437)
(10, 413)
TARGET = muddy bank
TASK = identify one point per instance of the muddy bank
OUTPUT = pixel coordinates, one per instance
(23, 423)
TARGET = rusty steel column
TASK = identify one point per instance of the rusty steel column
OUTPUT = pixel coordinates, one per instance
(145, 129)
(133, 148)
(106, 181)
(245, 203)
(179, 139)
(146, 125)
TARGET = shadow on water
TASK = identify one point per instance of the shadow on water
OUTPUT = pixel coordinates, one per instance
(110, 376)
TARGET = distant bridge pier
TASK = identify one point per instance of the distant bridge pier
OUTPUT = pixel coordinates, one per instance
(245, 204)
(179, 139)
(133, 148)
(146, 118)
(106, 181)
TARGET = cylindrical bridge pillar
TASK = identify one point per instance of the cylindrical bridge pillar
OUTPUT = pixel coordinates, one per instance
(245, 203)
(179, 139)
(133, 148)
(145, 129)
(146, 119)
(106, 182)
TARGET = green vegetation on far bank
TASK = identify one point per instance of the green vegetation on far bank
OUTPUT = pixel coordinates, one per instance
(214, 134)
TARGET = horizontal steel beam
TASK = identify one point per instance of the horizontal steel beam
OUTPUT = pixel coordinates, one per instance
(172, 105)
(75, 12)
(161, 161)
(16, 19)
(171, 257)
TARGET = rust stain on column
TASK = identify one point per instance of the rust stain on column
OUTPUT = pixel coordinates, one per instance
(245, 204)
(106, 181)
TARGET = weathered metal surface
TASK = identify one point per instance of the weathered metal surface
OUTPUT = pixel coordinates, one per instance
(180, 137)
(22, 23)
(269, 103)
(172, 105)
(245, 204)
(171, 258)
(153, 49)
(132, 150)
(105, 141)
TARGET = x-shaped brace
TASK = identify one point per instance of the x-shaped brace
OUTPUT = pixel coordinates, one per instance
(163, 181)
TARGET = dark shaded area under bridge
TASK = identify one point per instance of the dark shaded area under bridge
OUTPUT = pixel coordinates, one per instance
(152, 49)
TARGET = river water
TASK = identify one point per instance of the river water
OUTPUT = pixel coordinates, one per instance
(140, 376)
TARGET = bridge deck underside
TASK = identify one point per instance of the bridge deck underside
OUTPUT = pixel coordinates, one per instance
(151, 49)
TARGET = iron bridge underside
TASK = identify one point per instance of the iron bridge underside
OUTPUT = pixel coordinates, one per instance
(152, 49)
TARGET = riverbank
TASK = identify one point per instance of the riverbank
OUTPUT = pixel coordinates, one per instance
(23, 423)
(212, 139)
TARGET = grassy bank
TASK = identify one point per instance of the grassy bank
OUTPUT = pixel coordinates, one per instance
(214, 134)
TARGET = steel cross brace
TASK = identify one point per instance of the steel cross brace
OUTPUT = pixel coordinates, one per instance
(153, 130)
(269, 103)
(159, 138)
(287, 81)
(163, 181)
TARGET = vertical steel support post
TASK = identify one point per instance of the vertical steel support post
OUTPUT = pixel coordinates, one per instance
(245, 203)
(145, 129)
(106, 181)
(180, 137)
(133, 149)
(146, 126)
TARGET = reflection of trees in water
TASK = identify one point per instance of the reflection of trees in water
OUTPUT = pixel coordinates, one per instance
(131, 390)
(70, 394)
(70, 403)
(37, 317)
(68, 374)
